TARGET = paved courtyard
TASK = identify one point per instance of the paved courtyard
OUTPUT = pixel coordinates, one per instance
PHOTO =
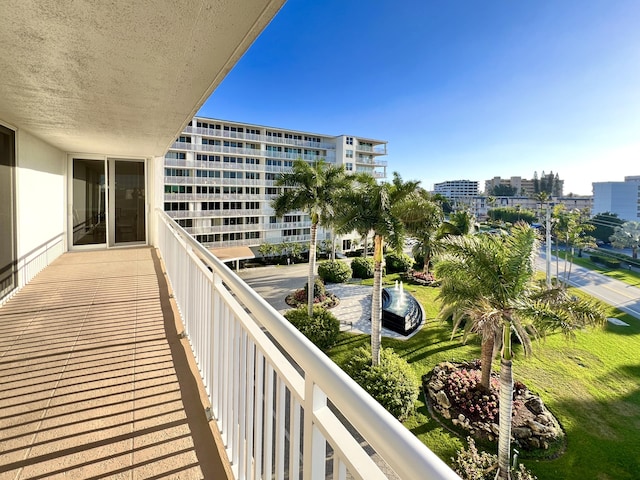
(274, 283)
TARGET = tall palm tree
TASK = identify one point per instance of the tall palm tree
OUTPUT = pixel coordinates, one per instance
(489, 281)
(426, 228)
(311, 188)
(380, 208)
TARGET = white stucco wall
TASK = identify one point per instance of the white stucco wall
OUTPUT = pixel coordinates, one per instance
(41, 191)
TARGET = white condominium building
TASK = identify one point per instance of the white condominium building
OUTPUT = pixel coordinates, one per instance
(621, 198)
(220, 176)
(453, 189)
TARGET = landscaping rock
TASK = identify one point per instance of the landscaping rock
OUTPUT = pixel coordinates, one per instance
(534, 426)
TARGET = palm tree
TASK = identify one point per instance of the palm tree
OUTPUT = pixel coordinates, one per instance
(380, 208)
(627, 236)
(461, 222)
(426, 228)
(311, 188)
(489, 281)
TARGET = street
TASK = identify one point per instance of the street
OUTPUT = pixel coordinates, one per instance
(614, 292)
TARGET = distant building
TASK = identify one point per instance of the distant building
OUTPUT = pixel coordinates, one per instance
(481, 204)
(523, 186)
(456, 189)
(220, 178)
(622, 198)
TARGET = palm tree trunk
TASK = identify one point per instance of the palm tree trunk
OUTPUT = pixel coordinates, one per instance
(333, 244)
(376, 302)
(312, 268)
(506, 405)
(366, 240)
(427, 261)
(486, 360)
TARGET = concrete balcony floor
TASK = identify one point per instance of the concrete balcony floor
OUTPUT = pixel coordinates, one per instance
(94, 380)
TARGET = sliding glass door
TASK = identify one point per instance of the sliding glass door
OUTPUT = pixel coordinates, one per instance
(109, 202)
(128, 209)
(89, 202)
(8, 249)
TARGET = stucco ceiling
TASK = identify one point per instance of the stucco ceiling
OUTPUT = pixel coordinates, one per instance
(118, 77)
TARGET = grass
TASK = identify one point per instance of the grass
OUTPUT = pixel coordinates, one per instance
(591, 383)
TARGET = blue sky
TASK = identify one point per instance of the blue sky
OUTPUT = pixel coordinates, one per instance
(460, 89)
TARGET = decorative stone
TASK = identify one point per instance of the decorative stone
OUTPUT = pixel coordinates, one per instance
(443, 400)
(537, 427)
(534, 426)
(536, 405)
(437, 385)
(521, 433)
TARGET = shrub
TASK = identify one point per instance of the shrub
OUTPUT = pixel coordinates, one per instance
(334, 271)
(319, 292)
(322, 328)
(362, 267)
(398, 262)
(612, 263)
(392, 382)
(596, 258)
(471, 464)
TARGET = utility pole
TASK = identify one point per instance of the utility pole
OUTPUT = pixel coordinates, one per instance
(548, 255)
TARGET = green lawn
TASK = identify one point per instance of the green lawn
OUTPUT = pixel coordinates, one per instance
(591, 383)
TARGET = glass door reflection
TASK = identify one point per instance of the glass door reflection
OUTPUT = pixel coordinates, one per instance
(129, 201)
(89, 207)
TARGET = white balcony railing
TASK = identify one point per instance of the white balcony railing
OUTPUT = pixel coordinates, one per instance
(284, 409)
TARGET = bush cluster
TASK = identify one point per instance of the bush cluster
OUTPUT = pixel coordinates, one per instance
(398, 262)
(334, 271)
(362, 267)
(471, 464)
(322, 328)
(392, 382)
(609, 262)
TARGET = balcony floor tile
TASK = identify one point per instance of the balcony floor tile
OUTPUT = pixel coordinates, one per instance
(94, 381)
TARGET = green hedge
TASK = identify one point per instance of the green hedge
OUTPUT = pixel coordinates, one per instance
(398, 262)
(322, 329)
(362, 267)
(334, 271)
(609, 262)
(392, 382)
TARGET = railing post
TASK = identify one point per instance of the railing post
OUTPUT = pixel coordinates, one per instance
(315, 445)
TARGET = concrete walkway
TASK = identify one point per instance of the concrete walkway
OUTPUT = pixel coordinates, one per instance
(274, 283)
(94, 380)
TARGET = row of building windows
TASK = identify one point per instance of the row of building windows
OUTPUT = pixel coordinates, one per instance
(225, 237)
(287, 218)
(227, 128)
(228, 205)
(293, 232)
(214, 190)
(184, 172)
(226, 221)
(178, 189)
(217, 222)
(226, 159)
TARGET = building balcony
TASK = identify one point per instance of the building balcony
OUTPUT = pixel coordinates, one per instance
(162, 363)
(218, 133)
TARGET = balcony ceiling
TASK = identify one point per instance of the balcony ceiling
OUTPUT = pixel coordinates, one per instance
(118, 77)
